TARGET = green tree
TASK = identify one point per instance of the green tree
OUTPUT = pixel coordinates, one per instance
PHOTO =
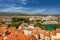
(3, 22)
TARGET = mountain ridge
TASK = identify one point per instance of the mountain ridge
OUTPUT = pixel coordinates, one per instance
(24, 14)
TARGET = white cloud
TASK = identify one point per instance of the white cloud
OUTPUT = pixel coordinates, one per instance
(24, 2)
(19, 1)
(30, 10)
(46, 11)
(15, 9)
(39, 10)
(53, 11)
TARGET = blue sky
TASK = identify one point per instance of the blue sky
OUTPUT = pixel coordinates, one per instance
(31, 6)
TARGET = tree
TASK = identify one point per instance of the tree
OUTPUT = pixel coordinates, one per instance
(3, 22)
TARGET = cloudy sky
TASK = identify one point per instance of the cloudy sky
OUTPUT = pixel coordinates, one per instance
(31, 6)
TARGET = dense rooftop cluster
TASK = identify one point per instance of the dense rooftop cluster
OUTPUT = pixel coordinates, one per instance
(27, 33)
(28, 28)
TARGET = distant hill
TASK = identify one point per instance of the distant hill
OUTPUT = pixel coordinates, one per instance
(11, 13)
(22, 14)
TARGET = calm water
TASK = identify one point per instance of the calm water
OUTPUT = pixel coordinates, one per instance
(51, 27)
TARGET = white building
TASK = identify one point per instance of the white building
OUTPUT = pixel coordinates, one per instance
(31, 26)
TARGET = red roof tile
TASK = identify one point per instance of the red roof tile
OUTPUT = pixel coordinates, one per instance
(47, 34)
(11, 36)
(35, 32)
(57, 39)
(54, 33)
(11, 29)
(4, 25)
(2, 30)
(32, 37)
(23, 37)
(58, 30)
(41, 31)
(1, 38)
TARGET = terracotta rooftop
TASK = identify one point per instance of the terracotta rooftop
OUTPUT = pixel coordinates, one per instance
(32, 37)
(1, 38)
(4, 25)
(57, 39)
(41, 31)
(11, 29)
(53, 33)
(2, 30)
(47, 34)
(11, 36)
(58, 30)
(23, 37)
(35, 32)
